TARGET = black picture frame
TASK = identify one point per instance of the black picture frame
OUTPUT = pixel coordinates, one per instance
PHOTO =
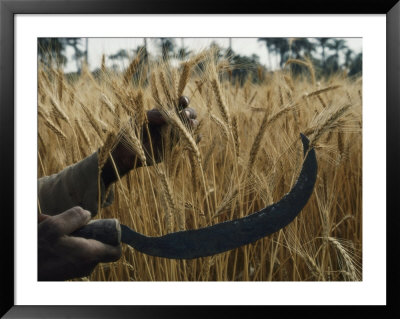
(10, 8)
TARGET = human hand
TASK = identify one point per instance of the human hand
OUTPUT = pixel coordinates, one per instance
(63, 257)
(124, 156)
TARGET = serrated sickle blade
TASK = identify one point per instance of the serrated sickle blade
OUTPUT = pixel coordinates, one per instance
(232, 234)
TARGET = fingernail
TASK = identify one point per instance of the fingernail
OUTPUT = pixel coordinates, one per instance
(183, 101)
(187, 113)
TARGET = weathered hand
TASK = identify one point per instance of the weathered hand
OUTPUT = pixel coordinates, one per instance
(124, 157)
(63, 257)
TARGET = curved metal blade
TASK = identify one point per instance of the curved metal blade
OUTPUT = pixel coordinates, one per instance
(235, 233)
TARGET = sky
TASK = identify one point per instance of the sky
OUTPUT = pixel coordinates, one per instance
(244, 46)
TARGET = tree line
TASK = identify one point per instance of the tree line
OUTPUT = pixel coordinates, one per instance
(324, 53)
(326, 62)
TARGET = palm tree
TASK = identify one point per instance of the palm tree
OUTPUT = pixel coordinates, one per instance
(270, 48)
(52, 49)
(322, 42)
(282, 47)
(78, 53)
(145, 43)
(229, 53)
(245, 67)
(356, 65)
(217, 50)
(183, 52)
(301, 47)
(336, 45)
(86, 50)
(167, 46)
(119, 56)
(348, 57)
(146, 52)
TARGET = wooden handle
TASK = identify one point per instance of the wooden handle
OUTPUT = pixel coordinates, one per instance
(108, 231)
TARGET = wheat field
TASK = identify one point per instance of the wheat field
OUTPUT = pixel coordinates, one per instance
(249, 155)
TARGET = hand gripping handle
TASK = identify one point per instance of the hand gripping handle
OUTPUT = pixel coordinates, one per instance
(108, 231)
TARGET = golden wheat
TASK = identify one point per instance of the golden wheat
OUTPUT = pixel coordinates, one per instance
(248, 157)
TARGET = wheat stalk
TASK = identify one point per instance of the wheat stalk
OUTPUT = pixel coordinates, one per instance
(58, 111)
(103, 64)
(55, 130)
(280, 113)
(184, 78)
(92, 120)
(60, 77)
(222, 126)
(154, 89)
(132, 68)
(289, 82)
(307, 64)
(210, 151)
(173, 119)
(235, 131)
(327, 89)
(252, 98)
(105, 100)
(83, 133)
(169, 199)
(346, 257)
(103, 154)
(141, 117)
(222, 107)
(328, 124)
(321, 100)
(165, 88)
(256, 143)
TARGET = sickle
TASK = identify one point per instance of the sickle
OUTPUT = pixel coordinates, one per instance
(231, 234)
(224, 236)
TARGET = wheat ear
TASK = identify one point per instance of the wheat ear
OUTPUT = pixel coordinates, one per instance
(169, 199)
(235, 131)
(55, 129)
(184, 78)
(92, 120)
(256, 144)
(346, 257)
(221, 104)
(321, 129)
(103, 155)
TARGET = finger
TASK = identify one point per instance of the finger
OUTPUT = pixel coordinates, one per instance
(70, 220)
(190, 113)
(90, 251)
(42, 217)
(194, 123)
(183, 102)
(102, 252)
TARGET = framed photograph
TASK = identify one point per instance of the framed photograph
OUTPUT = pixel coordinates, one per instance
(225, 156)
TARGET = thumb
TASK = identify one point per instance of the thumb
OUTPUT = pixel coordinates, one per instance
(42, 217)
(71, 220)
